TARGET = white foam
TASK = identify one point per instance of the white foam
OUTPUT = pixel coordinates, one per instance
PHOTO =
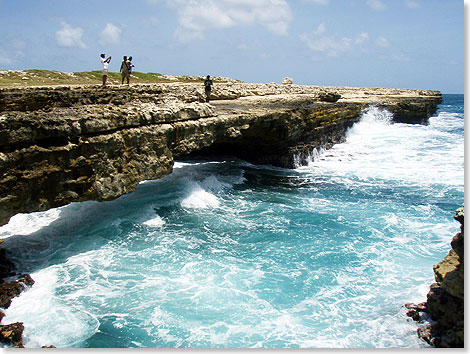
(26, 224)
(200, 199)
(155, 222)
(47, 319)
(377, 150)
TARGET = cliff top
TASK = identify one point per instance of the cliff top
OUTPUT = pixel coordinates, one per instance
(36, 77)
(49, 79)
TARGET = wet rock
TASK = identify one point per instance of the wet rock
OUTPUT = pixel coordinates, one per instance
(11, 289)
(12, 334)
(6, 266)
(416, 311)
(445, 300)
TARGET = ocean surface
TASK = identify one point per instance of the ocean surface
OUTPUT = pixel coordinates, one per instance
(226, 254)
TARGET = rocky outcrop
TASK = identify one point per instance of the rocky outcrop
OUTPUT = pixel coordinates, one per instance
(75, 143)
(445, 300)
(287, 81)
(12, 334)
(11, 285)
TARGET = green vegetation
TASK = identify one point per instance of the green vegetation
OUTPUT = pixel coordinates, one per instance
(35, 77)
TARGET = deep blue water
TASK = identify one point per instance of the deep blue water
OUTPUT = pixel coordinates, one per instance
(223, 253)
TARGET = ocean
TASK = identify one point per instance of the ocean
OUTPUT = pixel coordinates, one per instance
(226, 254)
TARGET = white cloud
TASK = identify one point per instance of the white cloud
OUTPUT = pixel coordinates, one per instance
(383, 42)
(110, 35)
(318, 2)
(319, 41)
(413, 4)
(68, 36)
(197, 16)
(376, 5)
(363, 37)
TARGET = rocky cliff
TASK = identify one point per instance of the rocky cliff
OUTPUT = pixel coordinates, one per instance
(445, 300)
(75, 143)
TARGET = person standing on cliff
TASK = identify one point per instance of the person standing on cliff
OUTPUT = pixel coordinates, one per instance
(130, 67)
(125, 70)
(104, 67)
(208, 87)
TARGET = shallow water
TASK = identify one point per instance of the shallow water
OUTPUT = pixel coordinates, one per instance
(222, 253)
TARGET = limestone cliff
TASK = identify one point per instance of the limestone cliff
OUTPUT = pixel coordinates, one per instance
(75, 143)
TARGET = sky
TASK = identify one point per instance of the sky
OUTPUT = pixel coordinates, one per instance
(415, 44)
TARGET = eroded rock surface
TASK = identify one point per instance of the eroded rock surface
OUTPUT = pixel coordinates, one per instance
(75, 143)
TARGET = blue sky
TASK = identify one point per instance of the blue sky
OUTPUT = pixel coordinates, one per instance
(365, 43)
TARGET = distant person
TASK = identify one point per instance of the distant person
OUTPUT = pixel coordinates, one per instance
(129, 60)
(104, 67)
(125, 70)
(130, 65)
(208, 87)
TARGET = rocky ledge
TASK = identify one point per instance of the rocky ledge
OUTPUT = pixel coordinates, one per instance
(74, 143)
(445, 300)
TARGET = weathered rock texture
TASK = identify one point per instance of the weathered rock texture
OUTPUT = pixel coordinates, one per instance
(66, 144)
(11, 285)
(445, 300)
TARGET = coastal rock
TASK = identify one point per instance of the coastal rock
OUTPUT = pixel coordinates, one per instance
(287, 81)
(75, 143)
(445, 300)
(6, 266)
(12, 334)
(328, 96)
(11, 289)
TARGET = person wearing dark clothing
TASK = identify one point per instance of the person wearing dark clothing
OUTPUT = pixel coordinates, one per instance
(125, 70)
(207, 87)
(130, 65)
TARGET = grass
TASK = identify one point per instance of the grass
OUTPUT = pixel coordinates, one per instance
(35, 77)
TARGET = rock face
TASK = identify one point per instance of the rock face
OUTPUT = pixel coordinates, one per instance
(11, 334)
(75, 143)
(445, 300)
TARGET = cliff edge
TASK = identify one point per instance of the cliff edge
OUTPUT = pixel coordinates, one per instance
(63, 144)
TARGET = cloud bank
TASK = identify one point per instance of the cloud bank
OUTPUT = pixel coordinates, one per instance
(320, 41)
(376, 5)
(68, 36)
(196, 17)
(110, 35)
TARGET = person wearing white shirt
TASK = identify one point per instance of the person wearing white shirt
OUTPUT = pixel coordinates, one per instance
(104, 65)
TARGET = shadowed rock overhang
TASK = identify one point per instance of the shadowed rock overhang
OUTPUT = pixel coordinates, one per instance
(75, 143)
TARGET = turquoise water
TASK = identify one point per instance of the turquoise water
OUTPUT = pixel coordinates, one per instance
(223, 253)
